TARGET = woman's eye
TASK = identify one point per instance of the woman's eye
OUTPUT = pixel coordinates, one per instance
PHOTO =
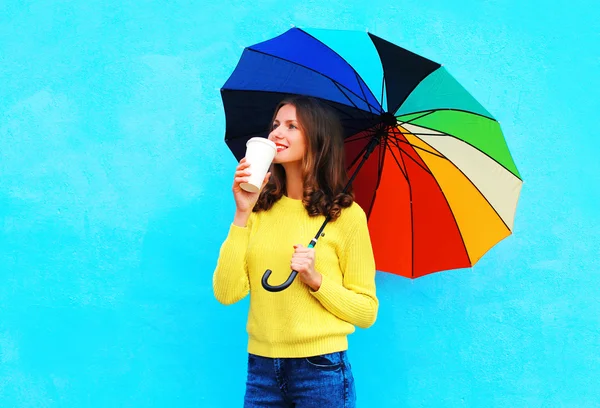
(274, 126)
(292, 127)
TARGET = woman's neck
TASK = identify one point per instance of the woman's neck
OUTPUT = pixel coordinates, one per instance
(293, 180)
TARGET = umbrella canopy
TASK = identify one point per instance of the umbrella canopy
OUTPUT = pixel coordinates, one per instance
(440, 187)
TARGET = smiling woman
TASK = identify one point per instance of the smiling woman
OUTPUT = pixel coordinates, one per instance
(298, 337)
(310, 163)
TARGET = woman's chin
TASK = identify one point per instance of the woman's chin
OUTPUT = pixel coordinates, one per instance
(279, 158)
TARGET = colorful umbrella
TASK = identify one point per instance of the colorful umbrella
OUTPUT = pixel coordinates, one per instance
(440, 187)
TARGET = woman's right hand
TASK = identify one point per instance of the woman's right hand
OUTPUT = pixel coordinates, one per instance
(244, 200)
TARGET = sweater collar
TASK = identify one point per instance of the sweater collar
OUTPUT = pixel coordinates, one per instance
(290, 204)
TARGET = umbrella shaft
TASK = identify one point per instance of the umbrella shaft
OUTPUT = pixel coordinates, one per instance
(370, 148)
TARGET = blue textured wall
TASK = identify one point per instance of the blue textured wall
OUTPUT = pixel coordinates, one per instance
(115, 197)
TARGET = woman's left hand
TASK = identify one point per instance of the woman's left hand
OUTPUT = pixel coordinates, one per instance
(303, 262)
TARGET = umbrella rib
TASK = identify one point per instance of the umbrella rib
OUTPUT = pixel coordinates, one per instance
(361, 130)
(426, 169)
(358, 156)
(397, 140)
(442, 134)
(430, 111)
(315, 71)
(356, 139)
(338, 109)
(356, 129)
(399, 132)
(361, 88)
(426, 113)
(347, 97)
(341, 111)
(379, 173)
(382, 87)
(349, 66)
(412, 218)
(394, 140)
(363, 112)
(396, 159)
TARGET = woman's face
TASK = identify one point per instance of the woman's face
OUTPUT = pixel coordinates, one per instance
(286, 134)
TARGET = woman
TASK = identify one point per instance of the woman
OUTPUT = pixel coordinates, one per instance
(298, 337)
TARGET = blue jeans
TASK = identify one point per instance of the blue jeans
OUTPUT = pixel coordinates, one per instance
(319, 381)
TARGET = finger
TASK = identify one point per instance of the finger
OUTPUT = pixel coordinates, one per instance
(304, 263)
(300, 257)
(242, 168)
(303, 250)
(241, 173)
(301, 261)
(298, 267)
(240, 180)
(243, 164)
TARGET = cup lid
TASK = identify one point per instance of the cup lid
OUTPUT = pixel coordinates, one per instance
(262, 140)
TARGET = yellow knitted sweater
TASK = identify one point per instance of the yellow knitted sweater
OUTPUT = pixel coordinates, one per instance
(299, 322)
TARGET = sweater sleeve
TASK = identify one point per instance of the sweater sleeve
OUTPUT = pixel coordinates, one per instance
(230, 278)
(354, 300)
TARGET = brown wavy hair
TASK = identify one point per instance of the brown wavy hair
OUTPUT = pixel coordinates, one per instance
(323, 167)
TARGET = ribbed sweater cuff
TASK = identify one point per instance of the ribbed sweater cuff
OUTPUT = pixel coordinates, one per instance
(327, 290)
(236, 232)
(331, 296)
(346, 305)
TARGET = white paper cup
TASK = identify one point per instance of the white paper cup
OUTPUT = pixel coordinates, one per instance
(260, 152)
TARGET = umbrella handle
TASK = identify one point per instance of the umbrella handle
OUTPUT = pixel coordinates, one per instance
(281, 287)
(290, 279)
